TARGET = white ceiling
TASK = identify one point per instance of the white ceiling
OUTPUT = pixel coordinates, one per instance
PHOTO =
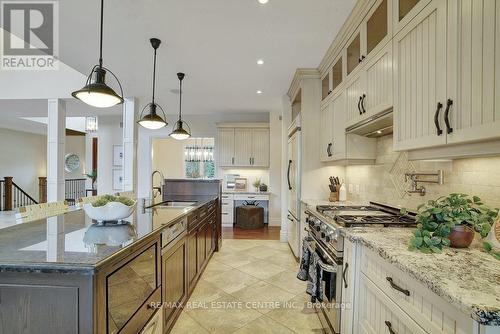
(216, 43)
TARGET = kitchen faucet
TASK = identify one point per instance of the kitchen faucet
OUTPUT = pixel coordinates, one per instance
(158, 189)
(415, 180)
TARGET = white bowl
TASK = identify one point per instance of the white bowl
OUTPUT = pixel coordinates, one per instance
(109, 212)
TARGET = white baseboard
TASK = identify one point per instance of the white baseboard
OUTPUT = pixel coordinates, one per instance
(227, 225)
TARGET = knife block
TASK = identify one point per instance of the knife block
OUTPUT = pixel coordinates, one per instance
(334, 195)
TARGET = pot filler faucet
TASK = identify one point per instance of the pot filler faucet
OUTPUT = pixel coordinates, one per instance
(416, 178)
(155, 191)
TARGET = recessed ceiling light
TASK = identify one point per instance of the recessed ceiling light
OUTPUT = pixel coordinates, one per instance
(259, 92)
(379, 131)
(260, 62)
(263, 2)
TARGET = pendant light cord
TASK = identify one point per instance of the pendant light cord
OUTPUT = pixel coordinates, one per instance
(180, 99)
(154, 78)
(102, 27)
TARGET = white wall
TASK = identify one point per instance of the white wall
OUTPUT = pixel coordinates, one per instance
(201, 126)
(23, 156)
(168, 155)
(109, 134)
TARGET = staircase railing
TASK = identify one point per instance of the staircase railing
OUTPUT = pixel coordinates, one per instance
(74, 189)
(20, 197)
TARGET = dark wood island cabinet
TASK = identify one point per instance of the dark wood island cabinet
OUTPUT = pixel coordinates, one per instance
(89, 279)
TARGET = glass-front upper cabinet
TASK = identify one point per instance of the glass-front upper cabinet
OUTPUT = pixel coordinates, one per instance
(337, 76)
(354, 53)
(404, 7)
(325, 86)
(377, 26)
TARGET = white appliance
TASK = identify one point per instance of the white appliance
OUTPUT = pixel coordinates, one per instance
(293, 180)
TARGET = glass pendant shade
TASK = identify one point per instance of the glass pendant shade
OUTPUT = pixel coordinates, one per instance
(96, 93)
(179, 132)
(152, 121)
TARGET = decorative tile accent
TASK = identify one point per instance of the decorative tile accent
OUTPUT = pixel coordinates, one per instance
(397, 173)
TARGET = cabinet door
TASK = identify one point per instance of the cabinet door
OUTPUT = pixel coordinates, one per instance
(378, 27)
(338, 106)
(353, 53)
(377, 313)
(420, 79)
(200, 246)
(260, 147)
(474, 114)
(337, 73)
(379, 78)
(325, 86)
(348, 286)
(326, 136)
(174, 278)
(242, 147)
(225, 146)
(208, 240)
(192, 254)
(354, 95)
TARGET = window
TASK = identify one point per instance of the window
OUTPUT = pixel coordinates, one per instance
(199, 159)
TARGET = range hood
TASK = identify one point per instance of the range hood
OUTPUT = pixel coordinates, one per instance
(375, 126)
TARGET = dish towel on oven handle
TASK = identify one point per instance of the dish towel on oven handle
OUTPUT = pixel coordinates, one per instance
(311, 271)
(305, 260)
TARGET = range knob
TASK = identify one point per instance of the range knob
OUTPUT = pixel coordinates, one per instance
(317, 226)
(329, 236)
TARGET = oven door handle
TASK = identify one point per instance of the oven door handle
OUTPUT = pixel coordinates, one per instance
(343, 274)
(325, 253)
(328, 268)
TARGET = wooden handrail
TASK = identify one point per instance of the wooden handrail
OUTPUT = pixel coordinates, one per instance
(24, 193)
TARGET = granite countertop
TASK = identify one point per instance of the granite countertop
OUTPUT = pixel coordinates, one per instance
(469, 279)
(72, 242)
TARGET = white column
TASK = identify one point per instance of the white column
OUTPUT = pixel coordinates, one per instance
(129, 144)
(56, 134)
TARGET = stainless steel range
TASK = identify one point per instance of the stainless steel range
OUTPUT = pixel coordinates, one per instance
(323, 226)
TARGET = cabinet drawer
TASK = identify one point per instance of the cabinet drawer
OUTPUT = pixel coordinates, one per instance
(251, 197)
(379, 314)
(227, 217)
(431, 312)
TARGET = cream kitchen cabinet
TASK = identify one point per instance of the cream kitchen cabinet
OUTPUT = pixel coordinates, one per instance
(374, 32)
(473, 70)
(326, 133)
(370, 91)
(338, 146)
(243, 146)
(446, 75)
(225, 147)
(420, 79)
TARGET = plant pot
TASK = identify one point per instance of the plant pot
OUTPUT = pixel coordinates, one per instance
(461, 236)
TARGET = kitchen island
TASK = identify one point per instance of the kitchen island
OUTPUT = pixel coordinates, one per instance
(65, 274)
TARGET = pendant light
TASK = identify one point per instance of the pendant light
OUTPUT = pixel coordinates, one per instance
(95, 92)
(178, 131)
(152, 120)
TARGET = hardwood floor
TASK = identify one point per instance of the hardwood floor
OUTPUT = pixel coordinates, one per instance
(264, 233)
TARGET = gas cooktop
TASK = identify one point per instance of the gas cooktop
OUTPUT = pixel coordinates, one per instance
(366, 215)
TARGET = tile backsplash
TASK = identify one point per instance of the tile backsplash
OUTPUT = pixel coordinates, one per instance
(475, 176)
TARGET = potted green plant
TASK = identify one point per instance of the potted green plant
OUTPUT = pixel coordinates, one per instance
(451, 221)
(93, 176)
(256, 184)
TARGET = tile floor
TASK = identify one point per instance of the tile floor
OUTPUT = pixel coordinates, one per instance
(249, 287)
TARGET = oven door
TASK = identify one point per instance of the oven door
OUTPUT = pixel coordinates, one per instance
(330, 310)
